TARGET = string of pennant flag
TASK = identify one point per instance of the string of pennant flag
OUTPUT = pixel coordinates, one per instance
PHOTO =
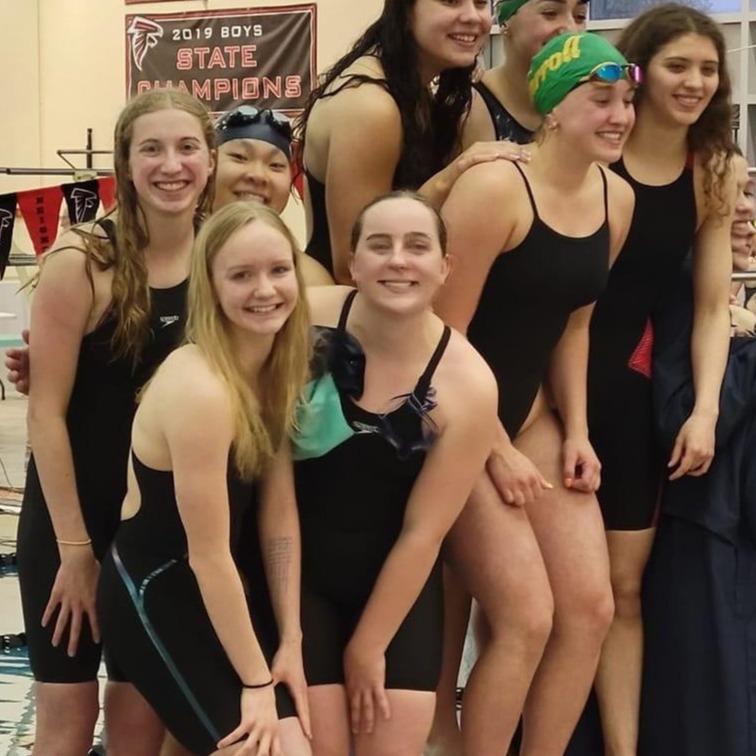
(40, 210)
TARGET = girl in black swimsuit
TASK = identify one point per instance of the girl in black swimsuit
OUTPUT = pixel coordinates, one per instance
(530, 543)
(398, 428)
(677, 160)
(375, 124)
(174, 613)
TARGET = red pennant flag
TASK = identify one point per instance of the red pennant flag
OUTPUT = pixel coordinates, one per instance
(7, 221)
(41, 211)
(107, 192)
(297, 173)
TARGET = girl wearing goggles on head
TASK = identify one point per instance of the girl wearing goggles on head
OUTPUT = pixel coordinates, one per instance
(255, 163)
(523, 290)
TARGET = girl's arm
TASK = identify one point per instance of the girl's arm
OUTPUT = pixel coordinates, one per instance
(712, 270)
(280, 544)
(61, 308)
(198, 426)
(568, 376)
(476, 238)
(196, 418)
(437, 188)
(363, 152)
(569, 361)
(281, 550)
(452, 466)
(478, 125)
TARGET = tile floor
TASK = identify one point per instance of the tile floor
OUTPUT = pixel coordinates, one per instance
(16, 705)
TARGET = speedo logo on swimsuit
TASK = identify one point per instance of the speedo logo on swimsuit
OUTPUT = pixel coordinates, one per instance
(166, 320)
(570, 51)
(360, 429)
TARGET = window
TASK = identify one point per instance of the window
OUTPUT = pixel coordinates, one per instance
(601, 9)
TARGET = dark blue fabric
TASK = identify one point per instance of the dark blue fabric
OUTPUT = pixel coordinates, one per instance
(699, 594)
(715, 501)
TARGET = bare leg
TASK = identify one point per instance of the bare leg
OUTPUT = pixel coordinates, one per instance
(493, 549)
(66, 717)
(407, 730)
(329, 715)
(132, 726)
(171, 747)
(618, 682)
(293, 740)
(570, 533)
(445, 738)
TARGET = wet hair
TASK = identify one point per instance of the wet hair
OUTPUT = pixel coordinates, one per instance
(400, 194)
(431, 120)
(710, 138)
(123, 250)
(262, 423)
(131, 293)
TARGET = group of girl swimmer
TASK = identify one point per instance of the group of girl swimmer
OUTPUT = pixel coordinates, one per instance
(387, 377)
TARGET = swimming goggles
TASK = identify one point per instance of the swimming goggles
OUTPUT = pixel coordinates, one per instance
(247, 115)
(611, 73)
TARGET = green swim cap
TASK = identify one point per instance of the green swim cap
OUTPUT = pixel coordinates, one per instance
(507, 8)
(565, 62)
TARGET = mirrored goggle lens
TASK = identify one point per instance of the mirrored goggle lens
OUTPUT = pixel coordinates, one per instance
(610, 73)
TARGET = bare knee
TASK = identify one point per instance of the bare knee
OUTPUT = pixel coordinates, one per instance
(525, 619)
(588, 612)
(66, 717)
(627, 596)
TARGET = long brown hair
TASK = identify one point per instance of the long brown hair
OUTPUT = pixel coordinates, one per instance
(431, 116)
(710, 137)
(125, 253)
(262, 423)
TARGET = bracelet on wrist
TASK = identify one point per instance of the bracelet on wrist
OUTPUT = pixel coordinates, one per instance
(62, 542)
(259, 686)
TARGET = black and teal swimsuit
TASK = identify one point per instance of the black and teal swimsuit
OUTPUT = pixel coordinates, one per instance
(354, 473)
(154, 622)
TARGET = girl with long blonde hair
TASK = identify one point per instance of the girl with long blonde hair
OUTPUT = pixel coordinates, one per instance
(209, 442)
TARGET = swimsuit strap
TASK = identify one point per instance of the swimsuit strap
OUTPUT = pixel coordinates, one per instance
(107, 225)
(345, 309)
(423, 383)
(606, 191)
(529, 190)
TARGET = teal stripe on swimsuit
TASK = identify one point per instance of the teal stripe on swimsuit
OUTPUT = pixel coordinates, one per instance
(137, 598)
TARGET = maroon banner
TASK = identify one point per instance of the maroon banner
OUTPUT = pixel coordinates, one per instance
(41, 211)
(7, 221)
(263, 57)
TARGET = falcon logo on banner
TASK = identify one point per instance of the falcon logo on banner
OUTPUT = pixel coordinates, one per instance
(145, 34)
(7, 221)
(82, 200)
